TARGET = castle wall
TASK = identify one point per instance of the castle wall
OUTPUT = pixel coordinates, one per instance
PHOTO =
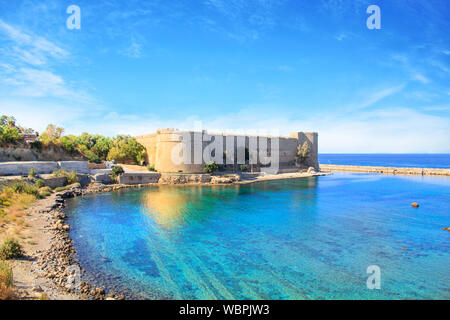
(161, 146)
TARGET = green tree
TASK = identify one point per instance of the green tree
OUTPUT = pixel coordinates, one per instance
(303, 152)
(9, 132)
(127, 149)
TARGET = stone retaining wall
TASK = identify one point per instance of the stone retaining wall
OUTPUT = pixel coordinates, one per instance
(22, 168)
(387, 170)
(52, 181)
(77, 166)
(139, 178)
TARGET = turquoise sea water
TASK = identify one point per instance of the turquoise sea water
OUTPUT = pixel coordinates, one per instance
(309, 238)
(432, 160)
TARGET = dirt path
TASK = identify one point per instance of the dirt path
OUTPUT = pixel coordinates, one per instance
(28, 281)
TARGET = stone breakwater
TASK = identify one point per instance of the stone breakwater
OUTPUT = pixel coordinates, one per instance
(387, 170)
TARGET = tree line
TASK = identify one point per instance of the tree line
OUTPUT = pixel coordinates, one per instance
(96, 148)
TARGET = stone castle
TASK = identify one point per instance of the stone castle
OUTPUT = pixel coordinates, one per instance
(235, 150)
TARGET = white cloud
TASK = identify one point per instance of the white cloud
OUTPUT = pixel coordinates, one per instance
(370, 98)
(421, 78)
(133, 51)
(26, 72)
(30, 48)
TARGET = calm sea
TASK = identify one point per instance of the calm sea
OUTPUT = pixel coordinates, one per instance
(310, 238)
(388, 160)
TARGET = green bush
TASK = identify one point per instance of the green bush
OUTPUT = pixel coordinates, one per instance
(39, 183)
(44, 194)
(71, 176)
(117, 171)
(22, 187)
(32, 173)
(211, 167)
(10, 134)
(68, 143)
(92, 157)
(47, 188)
(59, 189)
(6, 275)
(37, 144)
(243, 167)
(10, 249)
(151, 168)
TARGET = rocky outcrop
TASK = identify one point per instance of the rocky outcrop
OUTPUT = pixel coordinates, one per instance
(25, 152)
(225, 179)
(173, 178)
(53, 181)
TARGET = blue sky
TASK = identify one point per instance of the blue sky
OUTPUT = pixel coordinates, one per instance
(234, 65)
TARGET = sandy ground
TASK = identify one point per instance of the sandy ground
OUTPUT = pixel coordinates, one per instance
(28, 282)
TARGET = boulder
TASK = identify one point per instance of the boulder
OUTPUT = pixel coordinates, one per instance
(104, 178)
(53, 181)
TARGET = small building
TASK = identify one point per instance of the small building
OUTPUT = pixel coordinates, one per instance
(29, 138)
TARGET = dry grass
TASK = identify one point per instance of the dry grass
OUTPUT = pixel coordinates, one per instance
(13, 207)
(44, 296)
(6, 282)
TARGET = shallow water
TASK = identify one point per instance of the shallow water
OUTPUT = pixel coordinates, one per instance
(310, 238)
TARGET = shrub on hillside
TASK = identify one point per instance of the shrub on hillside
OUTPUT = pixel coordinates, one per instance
(10, 249)
(71, 176)
(22, 187)
(68, 143)
(117, 171)
(39, 183)
(46, 188)
(44, 194)
(211, 167)
(32, 173)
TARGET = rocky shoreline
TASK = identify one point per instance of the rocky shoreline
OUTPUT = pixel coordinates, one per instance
(56, 262)
(52, 268)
